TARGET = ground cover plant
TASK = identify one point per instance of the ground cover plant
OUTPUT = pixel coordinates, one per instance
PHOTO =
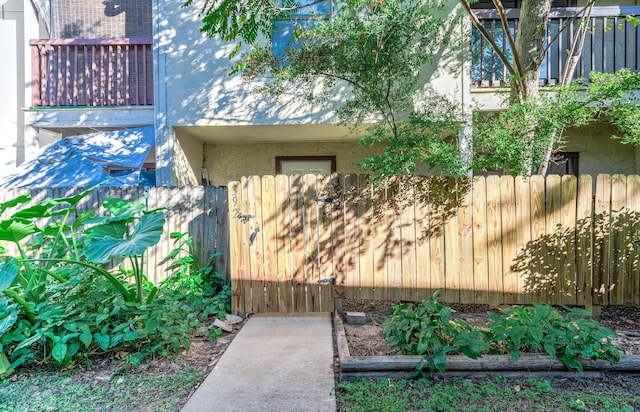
(61, 305)
(427, 329)
(619, 393)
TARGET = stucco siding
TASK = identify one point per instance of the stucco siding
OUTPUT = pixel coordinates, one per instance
(187, 160)
(201, 92)
(598, 152)
(228, 162)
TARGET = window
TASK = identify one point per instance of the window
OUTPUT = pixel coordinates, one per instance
(564, 163)
(304, 18)
(147, 173)
(299, 165)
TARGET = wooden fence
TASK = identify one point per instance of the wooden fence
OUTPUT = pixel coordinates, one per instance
(486, 240)
(201, 211)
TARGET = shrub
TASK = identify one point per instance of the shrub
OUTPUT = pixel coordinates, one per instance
(427, 329)
(201, 288)
(569, 336)
(85, 316)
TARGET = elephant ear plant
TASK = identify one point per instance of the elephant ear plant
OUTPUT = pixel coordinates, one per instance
(23, 279)
(108, 238)
(125, 233)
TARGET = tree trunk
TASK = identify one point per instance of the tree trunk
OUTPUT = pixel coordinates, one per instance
(530, 37)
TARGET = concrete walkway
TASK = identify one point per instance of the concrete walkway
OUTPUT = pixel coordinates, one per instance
(274, 364)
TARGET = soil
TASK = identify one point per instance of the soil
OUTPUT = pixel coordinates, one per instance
(367, 340)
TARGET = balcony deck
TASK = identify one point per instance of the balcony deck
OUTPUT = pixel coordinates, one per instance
(612, 43)
(94, 73)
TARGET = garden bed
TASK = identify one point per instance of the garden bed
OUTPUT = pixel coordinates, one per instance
(111, 384)
(364, 353)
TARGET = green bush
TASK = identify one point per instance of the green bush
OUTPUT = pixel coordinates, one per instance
(201, 288)
(85, 316)
(61, 305)
(427, 329)
(568, 336)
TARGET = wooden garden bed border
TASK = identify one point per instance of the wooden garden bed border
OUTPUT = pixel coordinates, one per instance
(529, 364)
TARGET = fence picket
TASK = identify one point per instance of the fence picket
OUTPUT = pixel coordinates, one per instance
(602, 238)
(436, 228)
(633, 207)
(509, 237)
(408, 246)
(235, 248)
(619, 230)
(523, 235)
(480, 252)
(297, 243)
(283, 244)
(584, 249)
(366, 230)
(567, 276)
(269, 215)
(494, 241)
(423, 251)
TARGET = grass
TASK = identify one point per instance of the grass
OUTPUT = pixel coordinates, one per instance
(74, 391)
(493, 394)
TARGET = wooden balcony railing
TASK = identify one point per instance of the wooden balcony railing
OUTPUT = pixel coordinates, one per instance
(612, 43)
(104, 72)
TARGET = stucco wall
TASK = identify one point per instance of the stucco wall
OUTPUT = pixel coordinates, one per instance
(599, 153)
(188, 155)
(201, 92)
(228, 162)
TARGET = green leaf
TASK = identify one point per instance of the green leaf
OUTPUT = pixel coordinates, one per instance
(146, 234)
(14, 202)
(572, 363)
(28, 342)
(9, 318)
(9, 269)
(66, 338)
(478, 346)
(72, 349)
(16, 229)
(82, 218)
(121, 207)
(440, 361)
(151, 326)
(114, 229)
(59, 351)
(103, 341)
(86, 338)
(550, 349)
(5, 365)
(101, 317)
(536, 333)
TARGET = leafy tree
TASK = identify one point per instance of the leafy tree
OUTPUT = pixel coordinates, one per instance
(346, 48)
(521, 135)
(371, 55)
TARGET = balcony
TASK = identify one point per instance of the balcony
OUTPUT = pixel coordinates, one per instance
(92, 73)
(611, 43)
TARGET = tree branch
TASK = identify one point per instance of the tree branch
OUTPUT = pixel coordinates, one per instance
(478, 25)
(510, 39)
